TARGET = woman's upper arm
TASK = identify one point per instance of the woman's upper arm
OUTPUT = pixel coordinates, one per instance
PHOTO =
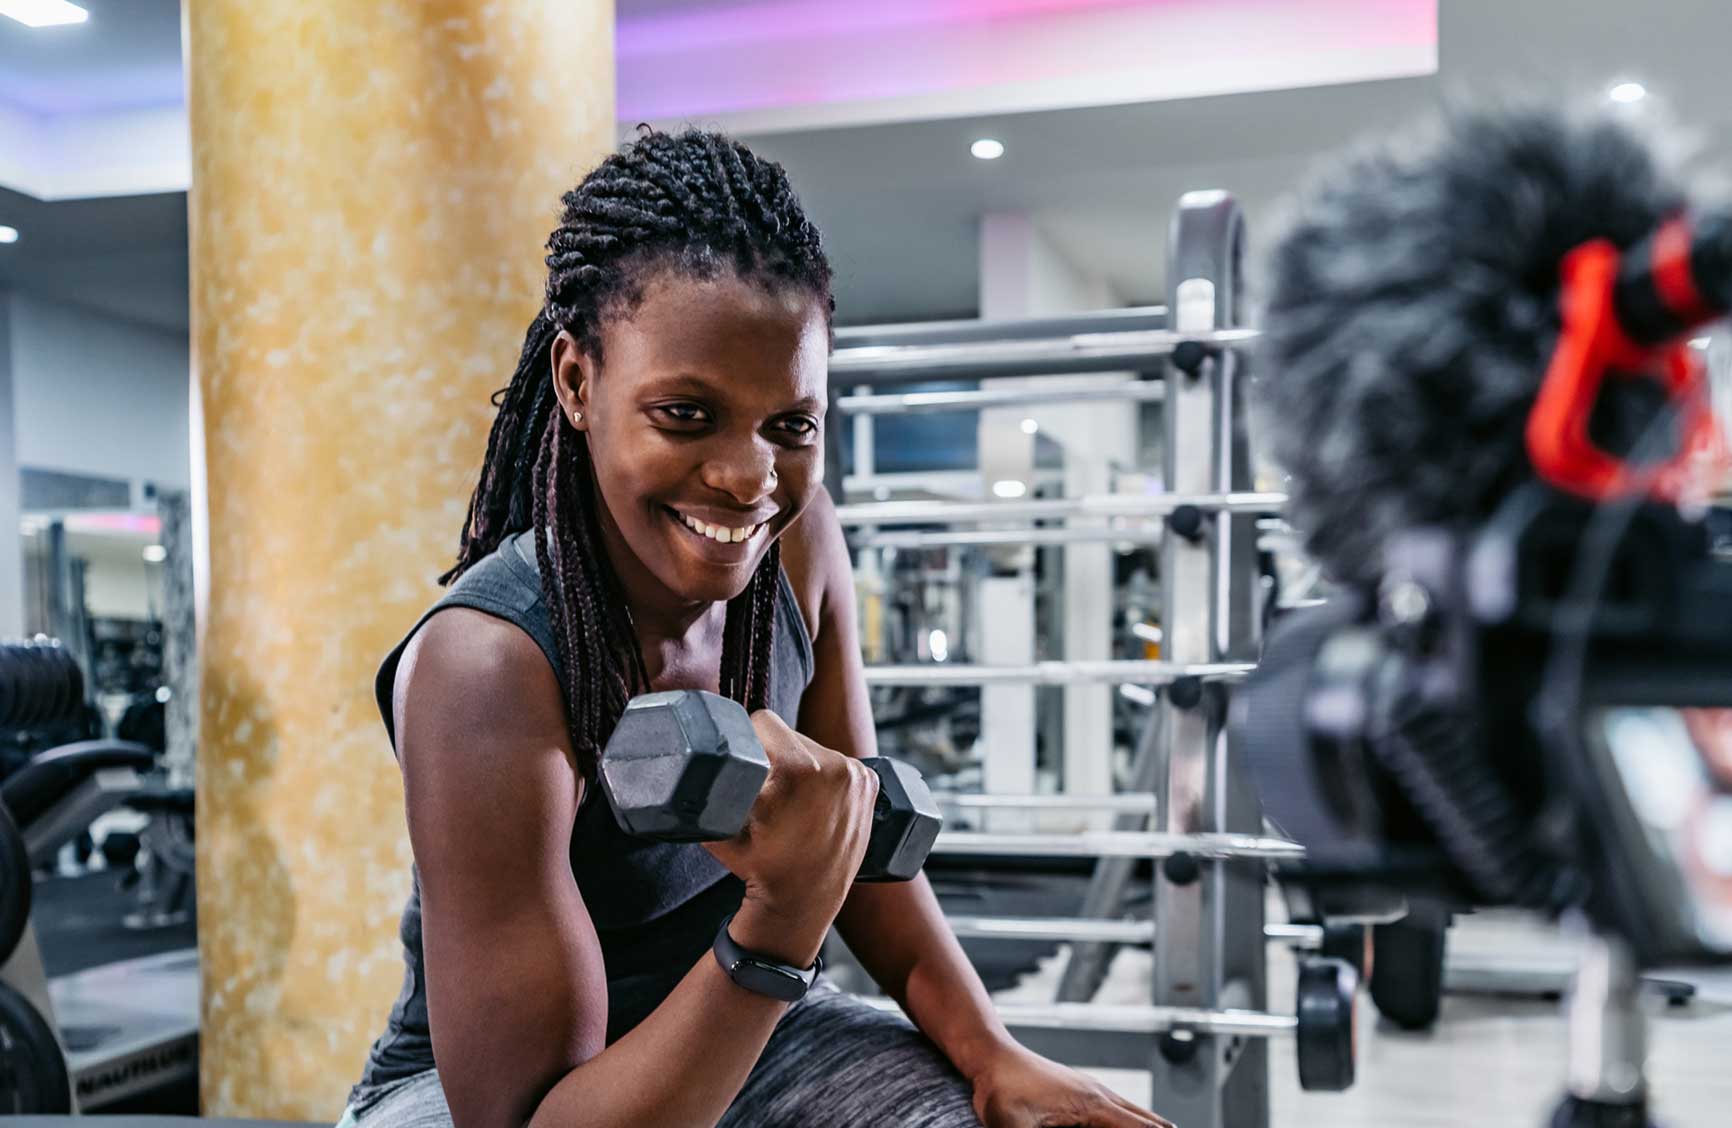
(516, 990)
(835, 710)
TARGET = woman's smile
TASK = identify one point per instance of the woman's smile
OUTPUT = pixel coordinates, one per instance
(720, 539)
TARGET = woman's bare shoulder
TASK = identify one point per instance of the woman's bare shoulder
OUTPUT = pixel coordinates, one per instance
(815, 556)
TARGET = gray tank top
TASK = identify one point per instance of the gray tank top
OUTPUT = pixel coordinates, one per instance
(656, 905)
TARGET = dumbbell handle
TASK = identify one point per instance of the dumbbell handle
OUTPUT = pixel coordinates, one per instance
(879, 863)
(894, 851)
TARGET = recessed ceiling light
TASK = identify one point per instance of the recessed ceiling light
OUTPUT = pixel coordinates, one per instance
(43, 13)
(155, 554)
(1627, 92)
(987, 149)
(1009, 487)
(1029, 426)
(8, 234)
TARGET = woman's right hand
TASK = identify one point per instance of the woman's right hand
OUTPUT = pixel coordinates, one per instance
(803, 841)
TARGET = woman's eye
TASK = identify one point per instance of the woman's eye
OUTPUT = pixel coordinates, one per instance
(683, 412)
(800, 425)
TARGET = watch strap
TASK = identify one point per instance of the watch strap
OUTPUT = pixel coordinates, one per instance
(761, 974)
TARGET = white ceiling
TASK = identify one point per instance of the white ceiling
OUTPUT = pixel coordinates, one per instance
(900, 204)
(125, 56)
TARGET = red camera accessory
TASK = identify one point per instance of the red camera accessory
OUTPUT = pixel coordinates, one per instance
(1607, 302)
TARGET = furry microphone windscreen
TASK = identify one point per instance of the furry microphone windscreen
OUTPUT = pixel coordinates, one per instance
(1412, 306)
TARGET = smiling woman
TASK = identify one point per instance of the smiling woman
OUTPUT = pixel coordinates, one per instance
(657, 449)
(706, 421)
(646, 243)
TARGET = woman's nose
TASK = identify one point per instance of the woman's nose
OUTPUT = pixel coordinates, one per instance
(747, 473)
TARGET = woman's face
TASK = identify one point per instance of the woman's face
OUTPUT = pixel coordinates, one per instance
(705, 426)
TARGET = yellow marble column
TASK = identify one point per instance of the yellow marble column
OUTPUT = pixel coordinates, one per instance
(372, 183)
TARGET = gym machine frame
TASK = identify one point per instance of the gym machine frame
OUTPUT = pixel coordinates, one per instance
(1209, 1064)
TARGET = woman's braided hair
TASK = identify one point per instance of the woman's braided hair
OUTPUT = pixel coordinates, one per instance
(697, 204)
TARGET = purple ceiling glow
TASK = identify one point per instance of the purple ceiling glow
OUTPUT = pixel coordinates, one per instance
(131, 88)
(772, 54)
(794, 20)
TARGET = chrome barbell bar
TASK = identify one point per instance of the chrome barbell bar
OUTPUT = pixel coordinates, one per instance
(1052, 509)
(967, 538)
(1133, 803)
(1055, 673)
(1108, 1018)
(1104, 931)
(1054, 928)
(1083, 352)
(1211, 846)
(919, 403)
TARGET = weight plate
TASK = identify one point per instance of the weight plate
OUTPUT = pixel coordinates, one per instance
(1325, 1033)
(14, 885)
(33, 1077)
(28, 701)
(62, 671)
(9, 683)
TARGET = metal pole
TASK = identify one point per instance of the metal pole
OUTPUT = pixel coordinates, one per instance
(1608, 1038)
(1211, 928)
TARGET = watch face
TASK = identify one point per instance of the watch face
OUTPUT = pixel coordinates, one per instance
(777, 983)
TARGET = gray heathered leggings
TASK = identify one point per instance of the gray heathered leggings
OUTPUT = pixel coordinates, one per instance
(832, 1062)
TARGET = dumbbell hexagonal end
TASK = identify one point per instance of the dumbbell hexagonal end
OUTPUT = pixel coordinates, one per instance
(905, 823)
(683, 766)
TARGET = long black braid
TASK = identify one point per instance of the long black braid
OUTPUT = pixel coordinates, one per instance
(698, 203)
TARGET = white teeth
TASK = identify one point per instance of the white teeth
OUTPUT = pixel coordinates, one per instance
(716, 533)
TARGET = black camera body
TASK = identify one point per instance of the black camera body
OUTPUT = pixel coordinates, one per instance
(1509, 718)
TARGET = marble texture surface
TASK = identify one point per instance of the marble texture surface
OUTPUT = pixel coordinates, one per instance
(372, 184)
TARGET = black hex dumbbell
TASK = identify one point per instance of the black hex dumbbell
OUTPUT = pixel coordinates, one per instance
(686, 766)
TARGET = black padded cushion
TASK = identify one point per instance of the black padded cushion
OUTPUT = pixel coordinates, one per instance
(50, 777)
(156, 799)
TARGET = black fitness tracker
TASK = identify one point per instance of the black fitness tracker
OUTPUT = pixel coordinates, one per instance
(761, 974)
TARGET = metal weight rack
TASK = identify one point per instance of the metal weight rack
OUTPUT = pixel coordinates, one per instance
(1203, 1035)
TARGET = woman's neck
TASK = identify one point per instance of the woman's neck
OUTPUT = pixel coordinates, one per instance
(676, 636)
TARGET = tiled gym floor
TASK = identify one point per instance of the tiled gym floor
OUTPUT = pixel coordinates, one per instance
(1491, 1062)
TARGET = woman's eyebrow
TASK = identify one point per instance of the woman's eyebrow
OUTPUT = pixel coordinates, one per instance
(690, 384)
(683, 382)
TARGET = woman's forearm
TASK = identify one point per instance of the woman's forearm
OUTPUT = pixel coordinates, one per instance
(899, 934)
(686, 1062)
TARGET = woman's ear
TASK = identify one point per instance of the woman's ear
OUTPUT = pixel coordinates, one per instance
(572, 369)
